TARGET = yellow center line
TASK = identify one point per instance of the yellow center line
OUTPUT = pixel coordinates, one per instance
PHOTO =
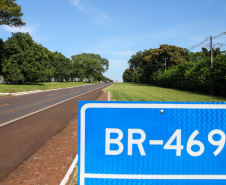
(51, 94)
(4, 105)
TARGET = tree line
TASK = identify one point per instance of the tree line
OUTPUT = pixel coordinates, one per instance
(176, 67)
(24, 61)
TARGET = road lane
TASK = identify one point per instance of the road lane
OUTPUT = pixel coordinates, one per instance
(22, 138)
(16, 107)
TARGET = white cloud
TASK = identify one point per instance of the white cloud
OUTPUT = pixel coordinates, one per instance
(32, 30)
(77, 3)
(23, 29)
(99, 17)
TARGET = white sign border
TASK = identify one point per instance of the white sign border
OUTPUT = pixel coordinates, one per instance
(84, 175)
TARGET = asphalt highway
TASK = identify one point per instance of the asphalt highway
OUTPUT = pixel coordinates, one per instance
(21, 138)
(16, 107)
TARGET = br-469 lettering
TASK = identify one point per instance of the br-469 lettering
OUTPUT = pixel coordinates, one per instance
(178, 147)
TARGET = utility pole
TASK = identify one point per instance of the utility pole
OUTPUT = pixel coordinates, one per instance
(211, 57)
(165, 69)
(211, 49)
(165, 62)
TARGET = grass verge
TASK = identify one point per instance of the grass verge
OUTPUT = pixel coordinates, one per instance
(145, 92)
(11, 88)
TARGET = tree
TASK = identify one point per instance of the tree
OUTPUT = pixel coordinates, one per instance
(108, 79)
(24, 60)
(36, 64)
(207, 53)
(15, 48)
(103, 61)
(173, 55)
(88, 65)
(10, 13)
(77, 69)
(137, 64)
(219, 74)
(128, 75)
(174, 77)
(162, 58)
(63, 66)
(99, 77)
(197, 56)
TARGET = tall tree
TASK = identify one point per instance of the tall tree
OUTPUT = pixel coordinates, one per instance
(128, 75)
(90, 65)
(24, 60)
(36, 65)
(14, 49)
(62, 66)
(171, 54)
(162, 58)
(10, 13)
(137, 64)
(77, 69)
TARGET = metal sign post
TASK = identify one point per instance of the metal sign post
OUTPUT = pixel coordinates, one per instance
(152, 143)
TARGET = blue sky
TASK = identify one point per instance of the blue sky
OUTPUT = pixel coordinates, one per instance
(117, 29)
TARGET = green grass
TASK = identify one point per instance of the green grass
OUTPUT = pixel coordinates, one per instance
(144, 92)
(11, 88)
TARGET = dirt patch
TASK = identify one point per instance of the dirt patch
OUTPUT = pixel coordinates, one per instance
(103, 96)
(51, 162)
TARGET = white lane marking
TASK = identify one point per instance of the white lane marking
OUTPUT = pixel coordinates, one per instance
(15, 95)
(6, 123)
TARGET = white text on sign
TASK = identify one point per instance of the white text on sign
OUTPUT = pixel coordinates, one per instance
(168, 146)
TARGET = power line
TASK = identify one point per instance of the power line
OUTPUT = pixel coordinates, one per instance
(219, 35)
(202, 42)
(199, 44)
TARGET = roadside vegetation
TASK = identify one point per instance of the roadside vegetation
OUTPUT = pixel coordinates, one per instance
(24, 61)
(176, 67)
(145, 92)
(11, 88)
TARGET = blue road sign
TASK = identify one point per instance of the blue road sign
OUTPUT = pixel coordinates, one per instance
(150, 143)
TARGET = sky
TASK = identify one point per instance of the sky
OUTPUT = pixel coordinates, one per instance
(117, 29)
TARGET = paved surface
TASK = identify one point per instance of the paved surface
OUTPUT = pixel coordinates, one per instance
(14, 107)
(20, 139)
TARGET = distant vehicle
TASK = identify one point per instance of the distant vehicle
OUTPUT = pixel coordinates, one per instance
(106, 81)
